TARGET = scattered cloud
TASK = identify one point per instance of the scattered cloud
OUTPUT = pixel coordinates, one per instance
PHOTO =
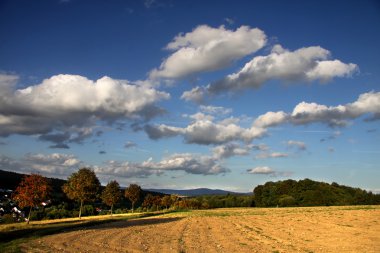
(297, 144)
(261, 170)
(189, 163)
(196, 95)
(60, 146)
(203, 130)
(215, 109)
(265, 170)
(63, 165)
(149, 3)
(55, 164)
(331, 149)
(332, 136)
(231, 149)
(259, 147)
(229, 21)
(271, 155)
(124, 169)
(207, 49)
(102, 152)
(130, 144)
(64, 108)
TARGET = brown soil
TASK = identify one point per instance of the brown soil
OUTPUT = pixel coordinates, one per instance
(326, 229)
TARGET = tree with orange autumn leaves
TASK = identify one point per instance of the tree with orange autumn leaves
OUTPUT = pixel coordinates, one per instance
(31, 192)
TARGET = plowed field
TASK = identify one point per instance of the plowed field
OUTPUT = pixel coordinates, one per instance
(326, 229)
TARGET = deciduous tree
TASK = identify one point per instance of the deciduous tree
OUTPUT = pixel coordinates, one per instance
(31, 192)
(148, 201)
(133, 193)
(82, 186)
(111, 194)
(166, 201)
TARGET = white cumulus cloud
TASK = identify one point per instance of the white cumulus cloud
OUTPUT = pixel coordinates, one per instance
(271, 119)
(66, 107)
(302, 65)
(206, 132)
(206, 49)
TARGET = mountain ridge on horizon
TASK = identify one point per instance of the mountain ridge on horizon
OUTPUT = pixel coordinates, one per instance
(197, 192)
(11, 179)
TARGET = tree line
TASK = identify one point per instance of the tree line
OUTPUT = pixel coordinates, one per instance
(81, 194)
(82, 191)
(310, 193)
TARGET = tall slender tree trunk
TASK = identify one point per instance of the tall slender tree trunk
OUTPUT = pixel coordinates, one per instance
(133, 207)
(80, 209)
(30, 211)
(111, 209)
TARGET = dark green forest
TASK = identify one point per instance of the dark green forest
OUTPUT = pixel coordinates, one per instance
(311, 193)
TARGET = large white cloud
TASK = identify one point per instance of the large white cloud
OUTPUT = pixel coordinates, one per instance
(67, 106)
(207, 132)
(302, 65)
(206, 49)
(306, 113)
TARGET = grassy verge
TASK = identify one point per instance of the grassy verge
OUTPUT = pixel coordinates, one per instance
(13, 235)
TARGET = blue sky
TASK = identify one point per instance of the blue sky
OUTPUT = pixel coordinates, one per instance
(185, 94)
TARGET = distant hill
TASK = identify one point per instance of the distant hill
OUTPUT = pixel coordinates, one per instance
(10, 180)
(197, 192)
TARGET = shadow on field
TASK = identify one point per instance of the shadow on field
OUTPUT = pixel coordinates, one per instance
(136, 223)
(55, 228)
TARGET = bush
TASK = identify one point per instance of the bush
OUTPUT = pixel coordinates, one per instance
(286, 200)
(105, 212)
(120, 211)
(88, 210)
(7, 219)
(57, 213)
